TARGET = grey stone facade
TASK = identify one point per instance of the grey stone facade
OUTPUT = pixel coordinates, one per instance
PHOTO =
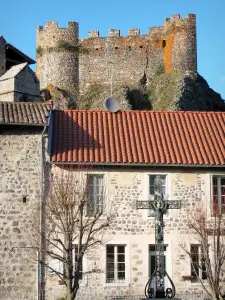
(20, 188)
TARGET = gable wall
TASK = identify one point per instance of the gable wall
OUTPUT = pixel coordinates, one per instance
(27, 82)
(23, 87)
(20, 177)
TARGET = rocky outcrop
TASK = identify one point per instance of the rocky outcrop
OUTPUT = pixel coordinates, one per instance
(165, 91)
(172, 91)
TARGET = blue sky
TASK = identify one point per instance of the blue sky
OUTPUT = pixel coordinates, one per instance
(19, 19)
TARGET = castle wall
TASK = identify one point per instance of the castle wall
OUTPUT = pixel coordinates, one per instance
(2, 56)
(19, 195)
(136, 229)
(58, 65)
(122, 60)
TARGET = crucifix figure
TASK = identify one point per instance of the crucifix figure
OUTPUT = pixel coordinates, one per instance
(159, 205)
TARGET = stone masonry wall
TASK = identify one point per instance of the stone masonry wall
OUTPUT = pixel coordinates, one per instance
(19, 195)
(120, 59)
(135, 229)
(23, 87)
(55, 65)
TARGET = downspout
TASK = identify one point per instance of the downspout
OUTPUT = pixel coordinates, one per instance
(41, 279)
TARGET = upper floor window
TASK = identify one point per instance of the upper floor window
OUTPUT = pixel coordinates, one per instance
(95, 191)
(115, 263)
(152, 187)
(152, 179)
(218, 194)
(198, 268)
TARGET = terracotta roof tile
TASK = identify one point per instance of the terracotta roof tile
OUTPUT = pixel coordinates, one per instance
(23, 113)
(139, 137)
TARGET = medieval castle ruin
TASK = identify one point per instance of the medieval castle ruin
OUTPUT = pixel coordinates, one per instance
(72, 64)
(157, 70)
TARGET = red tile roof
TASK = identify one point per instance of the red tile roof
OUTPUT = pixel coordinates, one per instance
(23, 113)
(139, 137)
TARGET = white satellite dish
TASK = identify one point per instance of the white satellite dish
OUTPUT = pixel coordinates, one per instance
(112, 105)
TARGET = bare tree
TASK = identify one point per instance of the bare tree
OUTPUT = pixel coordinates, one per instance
(207, 254)
(74, 223)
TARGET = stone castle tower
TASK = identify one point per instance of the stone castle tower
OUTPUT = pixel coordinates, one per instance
(56, 64)
(73, 64)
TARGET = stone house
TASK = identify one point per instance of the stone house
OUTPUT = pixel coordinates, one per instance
(18, 82)
(125, 151)
(21, 140)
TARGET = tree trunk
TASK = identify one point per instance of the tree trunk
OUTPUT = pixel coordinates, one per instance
(74, 294)
(69, 293)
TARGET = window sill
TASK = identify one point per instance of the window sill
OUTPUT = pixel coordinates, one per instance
(187, 277)
(82, 283)
(165, 217)
(125, 284)
(195, 281)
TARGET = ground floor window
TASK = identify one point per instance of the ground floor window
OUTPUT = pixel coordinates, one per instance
(198, 269)
(115, 263)
(75, 259)
(152, 264)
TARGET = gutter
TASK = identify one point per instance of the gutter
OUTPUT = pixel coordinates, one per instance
(41, 273)
(137, 164)
(24, 124)
(51, 131)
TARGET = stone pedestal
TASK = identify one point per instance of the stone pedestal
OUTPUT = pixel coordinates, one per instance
(160, 298)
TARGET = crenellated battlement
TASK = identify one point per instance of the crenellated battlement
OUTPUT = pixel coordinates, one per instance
(53, 25)
(175, 19)
(49, 35)
(190, 19)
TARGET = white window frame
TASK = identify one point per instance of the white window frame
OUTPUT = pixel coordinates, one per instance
(168, 192)
(151, 241)
(106, 200)
(211, 193)
(169, 260)
(196, 280)
(74, 259)
(126, 282)
(58, 265)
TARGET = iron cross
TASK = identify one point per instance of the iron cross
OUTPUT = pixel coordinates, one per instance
(159, 205)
